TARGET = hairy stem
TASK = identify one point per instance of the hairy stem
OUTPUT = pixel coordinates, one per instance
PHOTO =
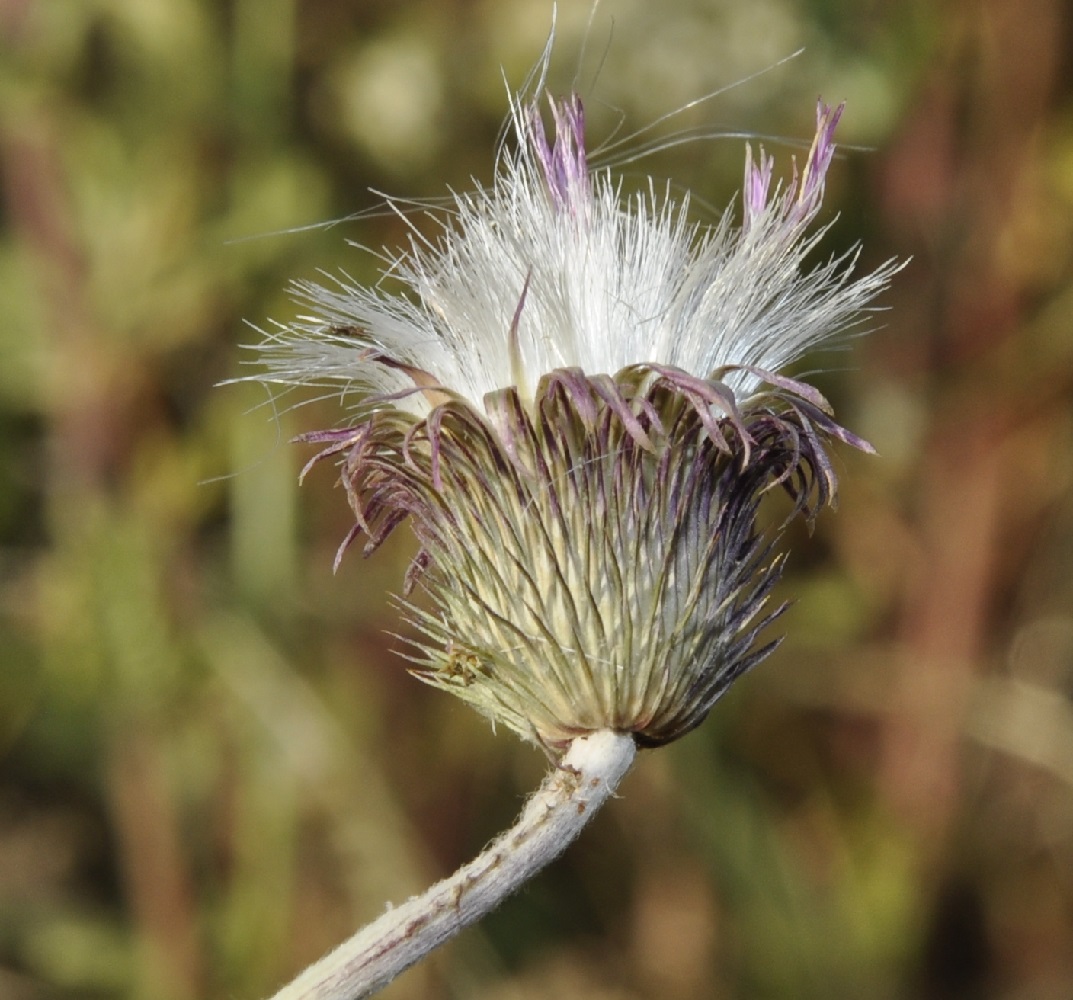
(554, 815)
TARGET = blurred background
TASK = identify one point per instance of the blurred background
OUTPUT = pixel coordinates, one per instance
(213, 765)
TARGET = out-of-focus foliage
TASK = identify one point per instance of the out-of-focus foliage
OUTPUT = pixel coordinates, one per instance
(213, 766)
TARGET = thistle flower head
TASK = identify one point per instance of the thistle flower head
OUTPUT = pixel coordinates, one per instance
(578, 402)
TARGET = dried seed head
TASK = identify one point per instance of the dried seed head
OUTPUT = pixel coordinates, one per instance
(579, 408)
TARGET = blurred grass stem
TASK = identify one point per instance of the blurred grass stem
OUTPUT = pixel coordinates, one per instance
(555, 814)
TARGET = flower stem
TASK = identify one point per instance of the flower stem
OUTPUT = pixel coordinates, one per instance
(553, 816)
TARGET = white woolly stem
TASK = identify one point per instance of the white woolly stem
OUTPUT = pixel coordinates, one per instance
(553, 816)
